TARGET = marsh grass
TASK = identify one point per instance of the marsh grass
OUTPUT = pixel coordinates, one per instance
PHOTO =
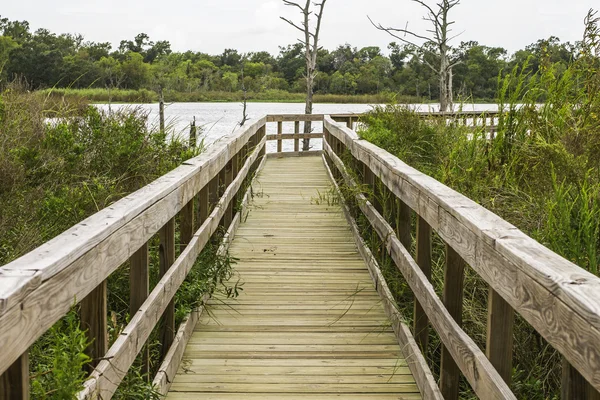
(59, 163)
(541, 172)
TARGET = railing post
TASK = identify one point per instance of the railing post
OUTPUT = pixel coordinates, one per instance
(203, 206)
(228, 179)
(139, 288)
(454, 274)
(574, 386)
(421, 322)
(296, 132)
(14, 382)
(499, 344)
(167, 258)
(279, 133)
(93, 314)
(403, 224)
(186, 225)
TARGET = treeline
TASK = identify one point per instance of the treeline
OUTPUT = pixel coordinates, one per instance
(48, 60)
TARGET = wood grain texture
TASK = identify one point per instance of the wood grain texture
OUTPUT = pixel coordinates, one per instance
(139, 288)
(111, 370)
(484, 379)
(499, 343)
(73, 264)
(93, 314)
(423, 259)
(308, 330)
(14, 383)
(560, 300)
(454, 280)
(412, 353)
(166, 255)
(172, 361)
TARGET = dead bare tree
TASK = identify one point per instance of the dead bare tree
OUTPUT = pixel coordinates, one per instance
(435, 42)
(311, 47)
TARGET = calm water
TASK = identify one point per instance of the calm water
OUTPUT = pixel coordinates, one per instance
(219, 119)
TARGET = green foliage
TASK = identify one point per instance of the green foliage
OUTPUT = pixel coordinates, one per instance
(58, 359)
(48, 60)
(540, 171)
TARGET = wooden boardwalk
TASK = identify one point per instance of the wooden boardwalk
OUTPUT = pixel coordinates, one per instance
(309, 323)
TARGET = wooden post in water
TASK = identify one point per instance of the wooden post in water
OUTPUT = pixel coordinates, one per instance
(161, 110)
(139, 288)
(454, 276)
(167, 258)
(193, 134)
(14, 383)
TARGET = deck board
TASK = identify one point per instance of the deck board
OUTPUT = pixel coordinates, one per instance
(309, 323)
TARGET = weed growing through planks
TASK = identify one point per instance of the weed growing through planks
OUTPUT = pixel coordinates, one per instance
(329, 198)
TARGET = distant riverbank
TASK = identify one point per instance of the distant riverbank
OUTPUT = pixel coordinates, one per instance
(269, 96)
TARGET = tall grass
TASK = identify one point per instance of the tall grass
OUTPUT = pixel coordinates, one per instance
(541, 172)
(59, 163)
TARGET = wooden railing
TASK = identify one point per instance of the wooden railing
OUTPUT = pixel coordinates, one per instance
(41, 287)
(558, 299)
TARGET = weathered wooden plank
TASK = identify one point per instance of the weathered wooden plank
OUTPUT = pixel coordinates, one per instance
(14, 383)
(417, 363)
(186, 224)
(166, 251)
(294, 117)
(93, 318)
(105, 241)
(172, 360)
(139, 288)
(291, 396)
(166, 373)
(294, 136)
(454, 278)
(109, 373)
(297, 139)
(562, 301)
(499, 343)
(484, 379)
(423, 259)
(309, 153)
(279, 136)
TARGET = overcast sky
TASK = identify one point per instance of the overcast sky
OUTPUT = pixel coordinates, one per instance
(251, 25)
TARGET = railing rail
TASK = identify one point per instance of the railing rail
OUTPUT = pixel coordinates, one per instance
(39, 288)
(559, 299)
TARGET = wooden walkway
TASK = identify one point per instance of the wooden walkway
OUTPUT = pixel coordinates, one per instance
(309, 323)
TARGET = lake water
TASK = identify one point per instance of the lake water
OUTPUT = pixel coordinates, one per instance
(219, 119)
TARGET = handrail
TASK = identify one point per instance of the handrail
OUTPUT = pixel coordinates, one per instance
(559, 299)
(39, 288)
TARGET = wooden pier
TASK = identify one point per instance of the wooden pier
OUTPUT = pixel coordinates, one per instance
(316, 318)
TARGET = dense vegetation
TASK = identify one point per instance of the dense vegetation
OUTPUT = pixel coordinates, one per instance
(48, 60)
(541, 172)
(60, 163)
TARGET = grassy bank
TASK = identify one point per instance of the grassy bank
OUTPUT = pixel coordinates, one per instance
(55, 174)
(269, 96)
(541, 172)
